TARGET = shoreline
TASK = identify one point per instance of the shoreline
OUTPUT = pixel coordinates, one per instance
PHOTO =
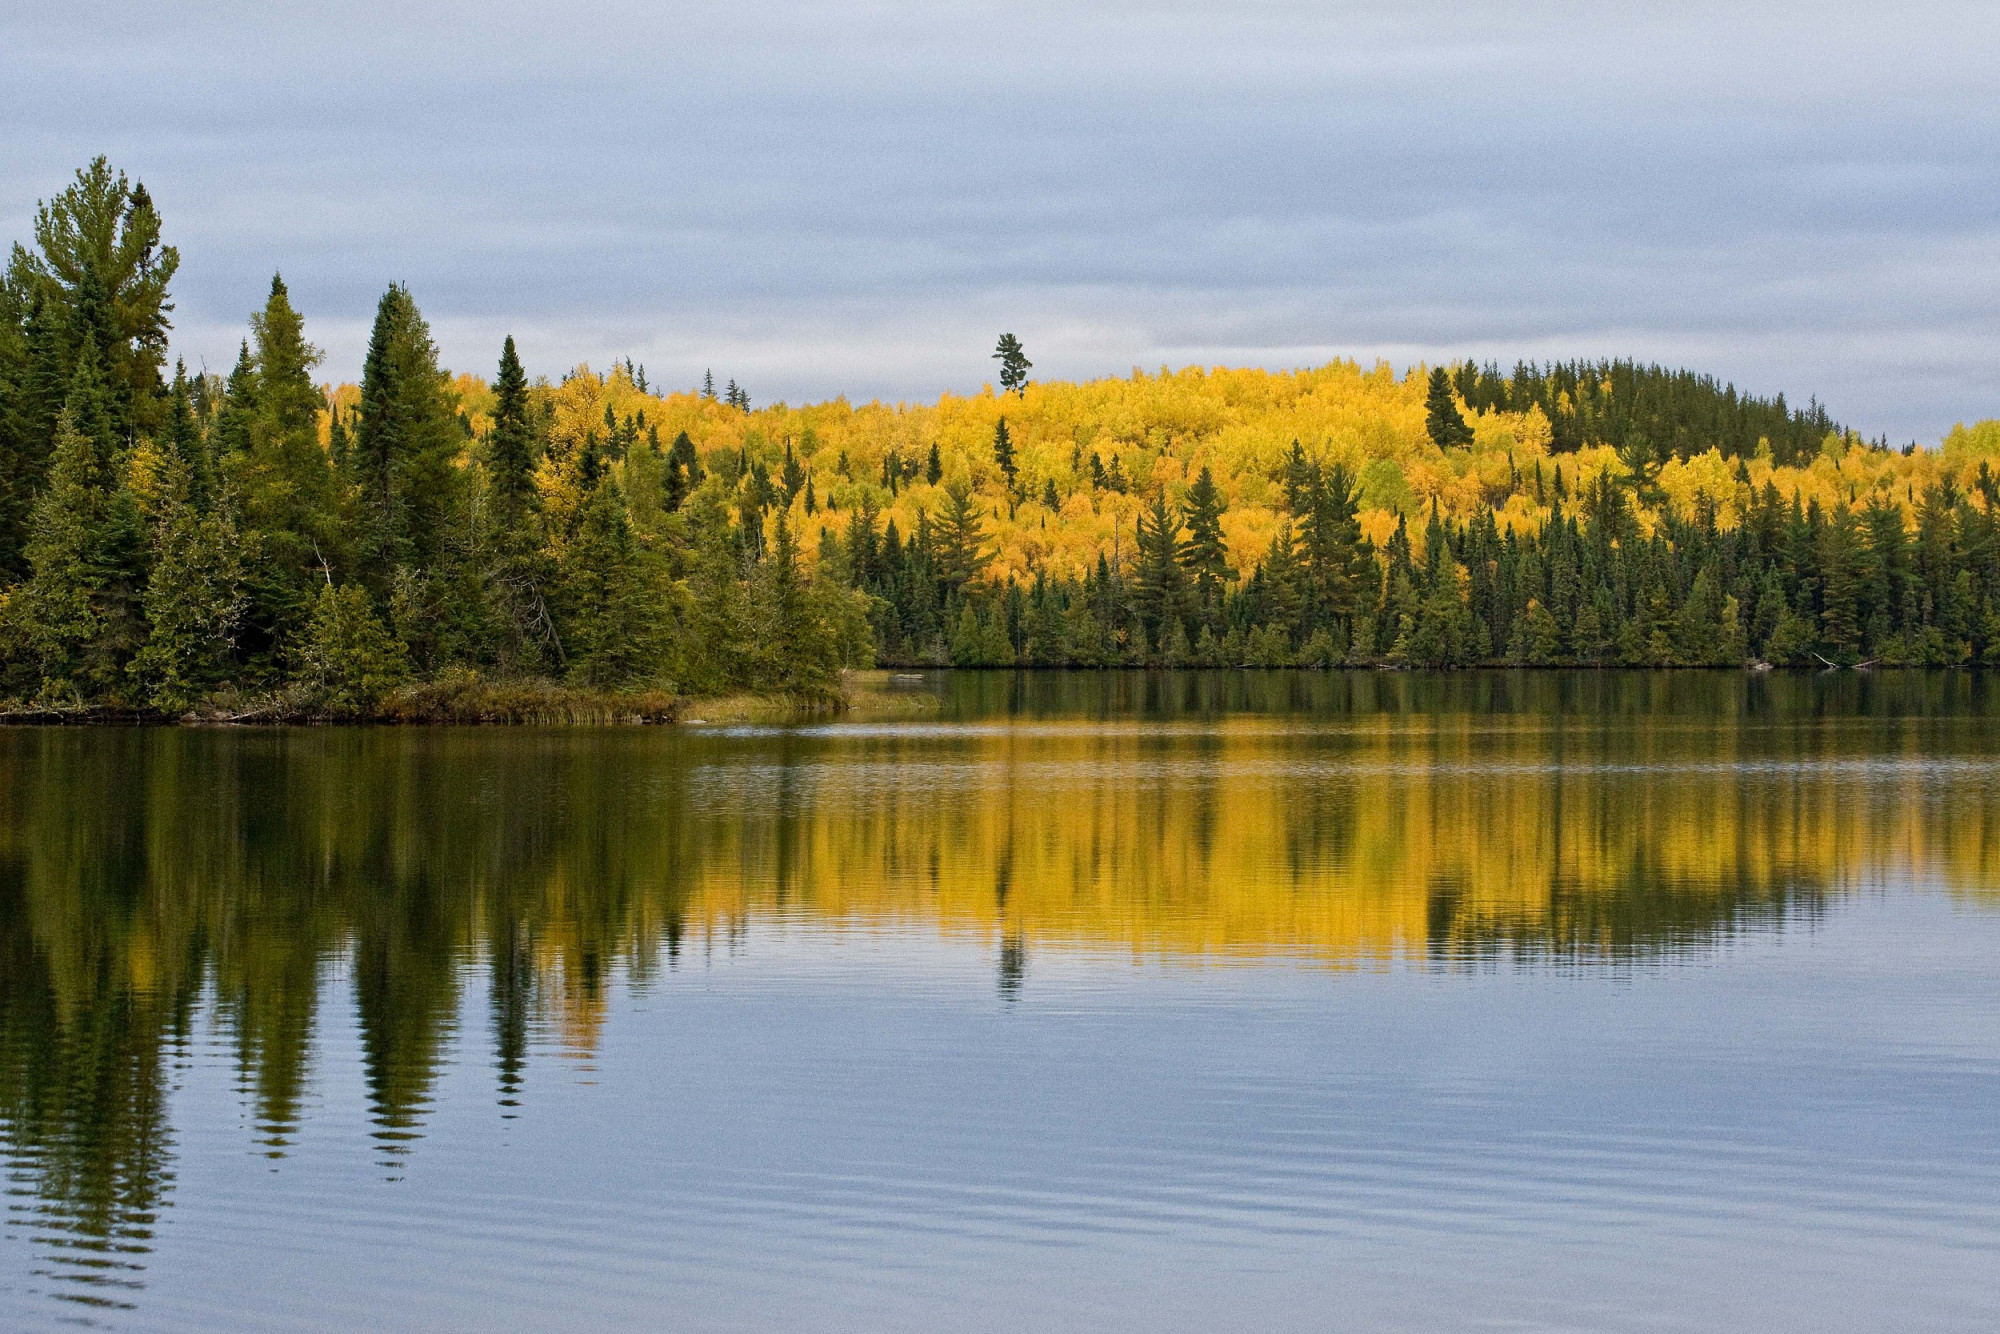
(875, 694)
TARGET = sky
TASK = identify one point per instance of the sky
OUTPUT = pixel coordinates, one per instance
(842, 197)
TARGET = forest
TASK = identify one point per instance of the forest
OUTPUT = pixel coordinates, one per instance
(425, 543)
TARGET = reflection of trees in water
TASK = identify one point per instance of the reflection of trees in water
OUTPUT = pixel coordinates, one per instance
(1436, 820)
(1629, 922)
(83, 1108)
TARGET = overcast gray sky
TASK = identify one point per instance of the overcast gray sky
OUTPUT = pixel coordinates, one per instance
(858, 197)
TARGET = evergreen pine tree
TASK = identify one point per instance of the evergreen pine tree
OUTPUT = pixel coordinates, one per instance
(1003, 451)
(612, 605)
(80, 602)
(1442, 419)
(683, 472)
(345, 659)
(1839, 561)
(270, 457)
(959, 534)
(1158, 587)
(510, 448)
(1014, 364)
(1205, 555)
(718, 653)
(181, 438)
(406, 444)
(100, 274)
(229, 437)
(194, 600)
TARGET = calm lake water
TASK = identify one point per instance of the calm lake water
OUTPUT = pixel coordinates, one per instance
(1129, 1002)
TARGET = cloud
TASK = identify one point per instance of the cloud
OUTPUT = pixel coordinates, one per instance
(857, 197)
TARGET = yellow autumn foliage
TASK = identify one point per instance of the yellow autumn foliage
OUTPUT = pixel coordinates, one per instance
(1160, 429)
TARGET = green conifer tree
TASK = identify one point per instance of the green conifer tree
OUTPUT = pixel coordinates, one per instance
(271, 460)
(194, 601)
(407, 444)
(1205, 554)
(345, 659)
(1003, 451)
(1014, 364)
(959, 534)
(81, 601)
(100, 273)
(1442, 419)
(1159, 588)
(613, 608)
(510, 450)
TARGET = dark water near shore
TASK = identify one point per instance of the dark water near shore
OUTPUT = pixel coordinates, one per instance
(1237, 1000)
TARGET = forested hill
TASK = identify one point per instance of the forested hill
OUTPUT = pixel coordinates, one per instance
(167, 540)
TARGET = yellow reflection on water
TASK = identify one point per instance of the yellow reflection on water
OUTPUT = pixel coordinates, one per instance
(1351, 844)
(147, 877)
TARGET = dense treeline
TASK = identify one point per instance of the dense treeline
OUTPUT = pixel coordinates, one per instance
(169, 539)
(1790, 585)
(259, 543)
(1645, 411)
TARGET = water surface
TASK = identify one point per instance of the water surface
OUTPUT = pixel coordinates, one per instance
(1141, 1001)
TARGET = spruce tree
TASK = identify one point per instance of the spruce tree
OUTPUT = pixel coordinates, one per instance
(1442, 418)
(1158, 585)
(1003, 451)
(345, 659)
(229, 436)
(1205, 555)
(959, 534)
(683, 472)
(933, 466)
(181, 438)
(406, 444)
(81, 601)
(717, 652)
(1839, 562)
(21, 455)
(798, 650)
(272, 460)
(612, 621)
(1338, 562)
(510, 449)
(194, 601)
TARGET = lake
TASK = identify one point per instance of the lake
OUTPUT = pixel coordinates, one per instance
(1275, 1001)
